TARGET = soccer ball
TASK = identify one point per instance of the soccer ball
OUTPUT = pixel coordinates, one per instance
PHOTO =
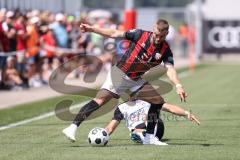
(98, 137)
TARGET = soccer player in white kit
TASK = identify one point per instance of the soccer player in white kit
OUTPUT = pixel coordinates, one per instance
(136, 112)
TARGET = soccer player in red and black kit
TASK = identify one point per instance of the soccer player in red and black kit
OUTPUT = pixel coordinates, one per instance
(146, 50)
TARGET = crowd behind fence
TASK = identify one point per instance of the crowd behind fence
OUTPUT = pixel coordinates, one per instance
(34, 43)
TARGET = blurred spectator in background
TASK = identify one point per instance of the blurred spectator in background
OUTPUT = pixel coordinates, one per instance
(74, 33)
(10, 31)
(97, 40)
(85, 44)
(11, 77)
(59, 30)
(184, 33)
(3, 46)
(47, 42)
(46, 70)
(55, 63)
(20, 28)
(1, 83)
(70, 21)
(34, 76)
(32, 40)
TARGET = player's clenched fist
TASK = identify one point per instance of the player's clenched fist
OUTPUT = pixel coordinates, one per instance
(85, 28)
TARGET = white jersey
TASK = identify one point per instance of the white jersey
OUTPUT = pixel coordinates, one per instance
(134, 112)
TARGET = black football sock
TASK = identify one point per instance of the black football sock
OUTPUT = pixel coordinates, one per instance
(85, 111)
(153, 115)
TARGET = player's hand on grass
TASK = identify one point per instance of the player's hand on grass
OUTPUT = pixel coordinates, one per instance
(192, 118)
(180, 91)
(85, 28)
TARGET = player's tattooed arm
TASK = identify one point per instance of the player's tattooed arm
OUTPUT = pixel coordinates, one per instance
(106, 32)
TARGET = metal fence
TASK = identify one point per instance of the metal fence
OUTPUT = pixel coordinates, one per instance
(69, 6)
(145, 16)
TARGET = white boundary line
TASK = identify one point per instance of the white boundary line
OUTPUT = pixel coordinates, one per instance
(180, 75)
(49, 114)
(43, 116)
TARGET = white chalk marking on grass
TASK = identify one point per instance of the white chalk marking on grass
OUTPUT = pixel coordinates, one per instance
(184, 74)
(43, 116)
(49, 114)
(180, 75)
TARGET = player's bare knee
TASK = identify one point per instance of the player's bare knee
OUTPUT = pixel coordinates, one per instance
(102, 97)
(100, 102)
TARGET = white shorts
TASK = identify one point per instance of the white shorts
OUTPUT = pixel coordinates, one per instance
(118, 82)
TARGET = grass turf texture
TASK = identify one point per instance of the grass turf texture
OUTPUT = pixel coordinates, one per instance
(213, 96)
(24, 111)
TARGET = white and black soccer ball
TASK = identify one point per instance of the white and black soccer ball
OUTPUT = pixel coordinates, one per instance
(98, 137)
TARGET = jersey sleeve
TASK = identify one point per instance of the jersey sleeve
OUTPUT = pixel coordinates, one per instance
(168, 57)
(118, 116)
(133, 34)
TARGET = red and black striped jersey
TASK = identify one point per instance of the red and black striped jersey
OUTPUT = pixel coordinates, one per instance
(142, 55)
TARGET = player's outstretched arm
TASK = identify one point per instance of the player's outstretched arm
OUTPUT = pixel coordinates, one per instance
(172, 75)
(106, 32)
(180, 112)
(110, 128)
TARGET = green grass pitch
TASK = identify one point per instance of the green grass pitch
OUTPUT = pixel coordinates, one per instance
(213, 95)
